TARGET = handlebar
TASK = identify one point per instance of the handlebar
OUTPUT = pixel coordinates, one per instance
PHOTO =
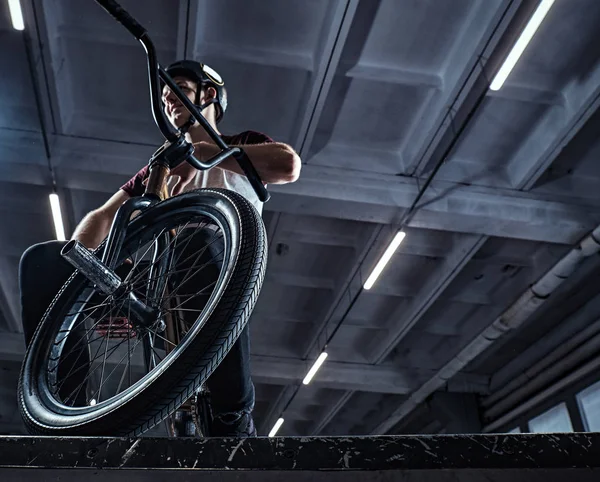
(170, 132)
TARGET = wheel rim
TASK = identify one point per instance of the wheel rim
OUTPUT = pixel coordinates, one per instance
(124, 379)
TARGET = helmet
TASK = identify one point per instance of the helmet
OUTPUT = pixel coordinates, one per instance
(204, 75)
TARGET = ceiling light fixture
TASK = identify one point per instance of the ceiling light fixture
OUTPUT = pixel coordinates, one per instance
(385, 259)
(276, 427)
(16, 14)
(519, 47)
(311, 373)
(58, 222)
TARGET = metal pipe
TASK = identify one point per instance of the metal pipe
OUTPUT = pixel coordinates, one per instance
(552, 373)
(537, 368)
(511, 319)
(590, 367)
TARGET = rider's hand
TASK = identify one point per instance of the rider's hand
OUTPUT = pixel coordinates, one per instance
(186, 172)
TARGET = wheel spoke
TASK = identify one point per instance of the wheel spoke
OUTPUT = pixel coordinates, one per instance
(150, 244)
(198, 254)
(89, 364)
(100, 323)
(194, 295)
(87, 309)
(164, 339)
(112, 350)
(93, 328)
(117, 364)
(104, 361)
(71, 329)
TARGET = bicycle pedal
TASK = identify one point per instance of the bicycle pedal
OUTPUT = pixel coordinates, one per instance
(117, 327)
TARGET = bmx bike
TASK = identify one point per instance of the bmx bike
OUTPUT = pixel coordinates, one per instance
(131, 338)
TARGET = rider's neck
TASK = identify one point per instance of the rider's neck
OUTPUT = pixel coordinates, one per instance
(196, 133)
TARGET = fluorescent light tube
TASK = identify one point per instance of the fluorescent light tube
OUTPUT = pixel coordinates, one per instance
(276, 427)
(16, 14)
(389, 252)
(521, 44)
(58, 222)
(311, 373)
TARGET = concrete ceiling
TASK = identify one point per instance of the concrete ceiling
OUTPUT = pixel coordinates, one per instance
(372, 93)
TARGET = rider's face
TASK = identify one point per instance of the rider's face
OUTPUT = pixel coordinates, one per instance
(175, 111)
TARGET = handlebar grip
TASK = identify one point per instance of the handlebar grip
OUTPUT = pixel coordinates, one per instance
(123, 17)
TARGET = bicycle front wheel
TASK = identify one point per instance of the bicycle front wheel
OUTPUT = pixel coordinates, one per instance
(199, 259)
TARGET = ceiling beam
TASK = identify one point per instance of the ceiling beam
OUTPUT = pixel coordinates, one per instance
(104, 33)
(45, 46)
(183, 29)
(330, 53)
(276, 408)
(480, 37)
(465, 248)
(329, 413)
(356, 195)
(446, 206)
(361, 245)
(409, 292)
(289, 278)
(329, 238)
(532, 95)
(342, 300)
(558, 126)
(298, 414)
(394, 75)
(406, 317)
(271, 57)
(334, 375)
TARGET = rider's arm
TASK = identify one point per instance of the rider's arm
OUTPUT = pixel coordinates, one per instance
(94, 227)
(276, 163)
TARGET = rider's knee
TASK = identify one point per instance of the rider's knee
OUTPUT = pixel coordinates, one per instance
(41, 252)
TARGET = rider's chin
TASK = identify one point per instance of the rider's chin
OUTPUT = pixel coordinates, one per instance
(178, 120)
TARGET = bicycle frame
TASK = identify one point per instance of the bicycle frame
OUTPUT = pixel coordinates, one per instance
(168, 156)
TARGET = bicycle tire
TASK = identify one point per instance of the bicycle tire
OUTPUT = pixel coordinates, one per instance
(163, 394)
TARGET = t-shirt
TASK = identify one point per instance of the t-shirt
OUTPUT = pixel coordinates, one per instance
(212, 177)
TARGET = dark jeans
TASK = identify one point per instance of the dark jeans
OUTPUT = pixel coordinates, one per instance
(43, 271)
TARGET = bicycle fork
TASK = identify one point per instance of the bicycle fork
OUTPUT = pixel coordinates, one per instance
(100, 272)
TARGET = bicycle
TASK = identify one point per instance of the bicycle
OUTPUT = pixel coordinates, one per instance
(131, 292)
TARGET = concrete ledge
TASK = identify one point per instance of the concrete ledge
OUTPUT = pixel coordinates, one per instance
(514, 458)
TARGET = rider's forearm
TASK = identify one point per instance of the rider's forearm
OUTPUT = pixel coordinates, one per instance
(92, 229)
(275, 162)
